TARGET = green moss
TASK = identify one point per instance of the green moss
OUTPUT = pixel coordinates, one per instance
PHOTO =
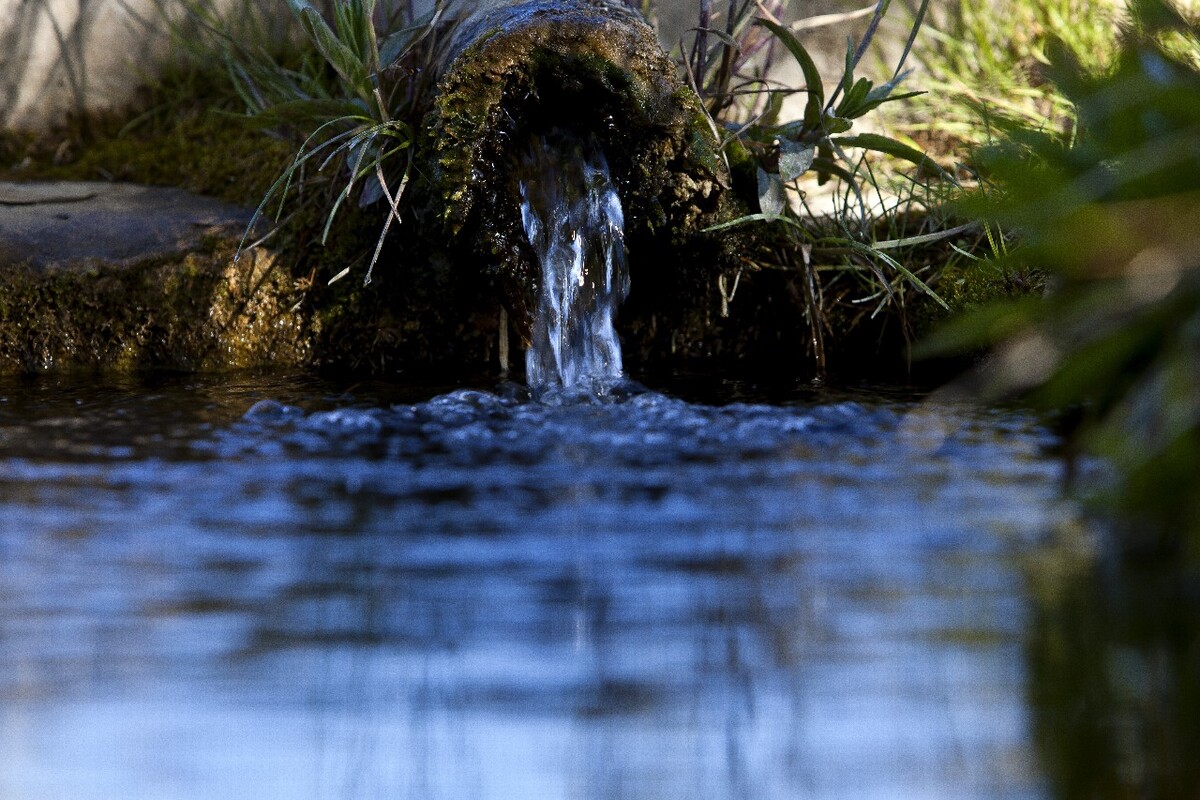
(969, 285)
(596, 71)
(196, 311)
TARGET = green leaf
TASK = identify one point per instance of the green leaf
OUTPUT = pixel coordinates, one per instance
(757, 218)
(398, 43)
(871, 252)
(835, 124)
(812, 76)
(346, 62)
(827, 166)
(795, 159)
(848, 72)
(295, 112)
(771, 194)
(912, 38)
(891, 147)
(854, 99)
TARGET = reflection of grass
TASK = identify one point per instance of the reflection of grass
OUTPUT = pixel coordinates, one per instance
(1114, 686)
(1113, 220)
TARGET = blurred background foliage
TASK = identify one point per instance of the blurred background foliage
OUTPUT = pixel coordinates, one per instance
(981, 60)
(1110, 212)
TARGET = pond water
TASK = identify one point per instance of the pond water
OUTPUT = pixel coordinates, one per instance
(264, 587)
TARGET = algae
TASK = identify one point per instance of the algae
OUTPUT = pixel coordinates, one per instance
(195, 311)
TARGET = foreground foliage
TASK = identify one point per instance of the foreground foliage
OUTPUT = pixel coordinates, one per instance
(1115, 220)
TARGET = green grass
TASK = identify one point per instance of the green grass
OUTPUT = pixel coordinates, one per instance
(184, 131)
(984, 59)
(874, 258)
(353, 97)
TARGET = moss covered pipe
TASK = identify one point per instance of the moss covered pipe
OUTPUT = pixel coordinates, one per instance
(593, 67)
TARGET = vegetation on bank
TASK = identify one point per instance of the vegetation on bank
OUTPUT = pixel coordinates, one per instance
(343, 103)
(186, 130)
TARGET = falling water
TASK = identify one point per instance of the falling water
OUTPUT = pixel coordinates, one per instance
(573, 219)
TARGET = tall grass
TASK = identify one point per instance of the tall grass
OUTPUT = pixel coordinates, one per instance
(991, 59)
(351, 94)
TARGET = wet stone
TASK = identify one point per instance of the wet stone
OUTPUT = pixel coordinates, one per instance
(64, 224)
(127, 277)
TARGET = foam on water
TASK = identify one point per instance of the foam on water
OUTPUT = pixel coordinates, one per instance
(573, 218)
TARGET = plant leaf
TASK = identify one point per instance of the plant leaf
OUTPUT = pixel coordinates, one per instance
(313, 110)
(757, 218)
(851, 105)
(771, 199)
(398, 43)
(346, 62)
(871, 252)
(795, 159)
(848, 73)
(912, 38)
(835, 124)
(812, 76)
(891, 147)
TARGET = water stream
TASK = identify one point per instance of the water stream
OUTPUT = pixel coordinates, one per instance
(270, 587)
(265, 587)
(573, 218)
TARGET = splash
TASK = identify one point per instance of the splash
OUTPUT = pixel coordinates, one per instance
(573, 219)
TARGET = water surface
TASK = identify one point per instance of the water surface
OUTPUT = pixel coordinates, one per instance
(265, 587)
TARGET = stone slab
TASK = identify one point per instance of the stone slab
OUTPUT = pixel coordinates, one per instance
(78, 223)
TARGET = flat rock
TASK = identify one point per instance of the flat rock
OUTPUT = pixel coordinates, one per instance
(79, 223)
(128, 277)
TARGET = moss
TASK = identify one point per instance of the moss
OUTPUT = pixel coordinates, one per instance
(596, 70)
(196, 311)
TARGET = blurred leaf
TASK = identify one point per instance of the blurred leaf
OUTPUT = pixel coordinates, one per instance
(1114, 217)
(977, 328)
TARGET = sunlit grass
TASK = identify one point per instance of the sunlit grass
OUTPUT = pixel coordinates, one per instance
(984, 59)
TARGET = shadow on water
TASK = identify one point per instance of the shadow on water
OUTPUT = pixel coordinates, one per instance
(257, 587)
